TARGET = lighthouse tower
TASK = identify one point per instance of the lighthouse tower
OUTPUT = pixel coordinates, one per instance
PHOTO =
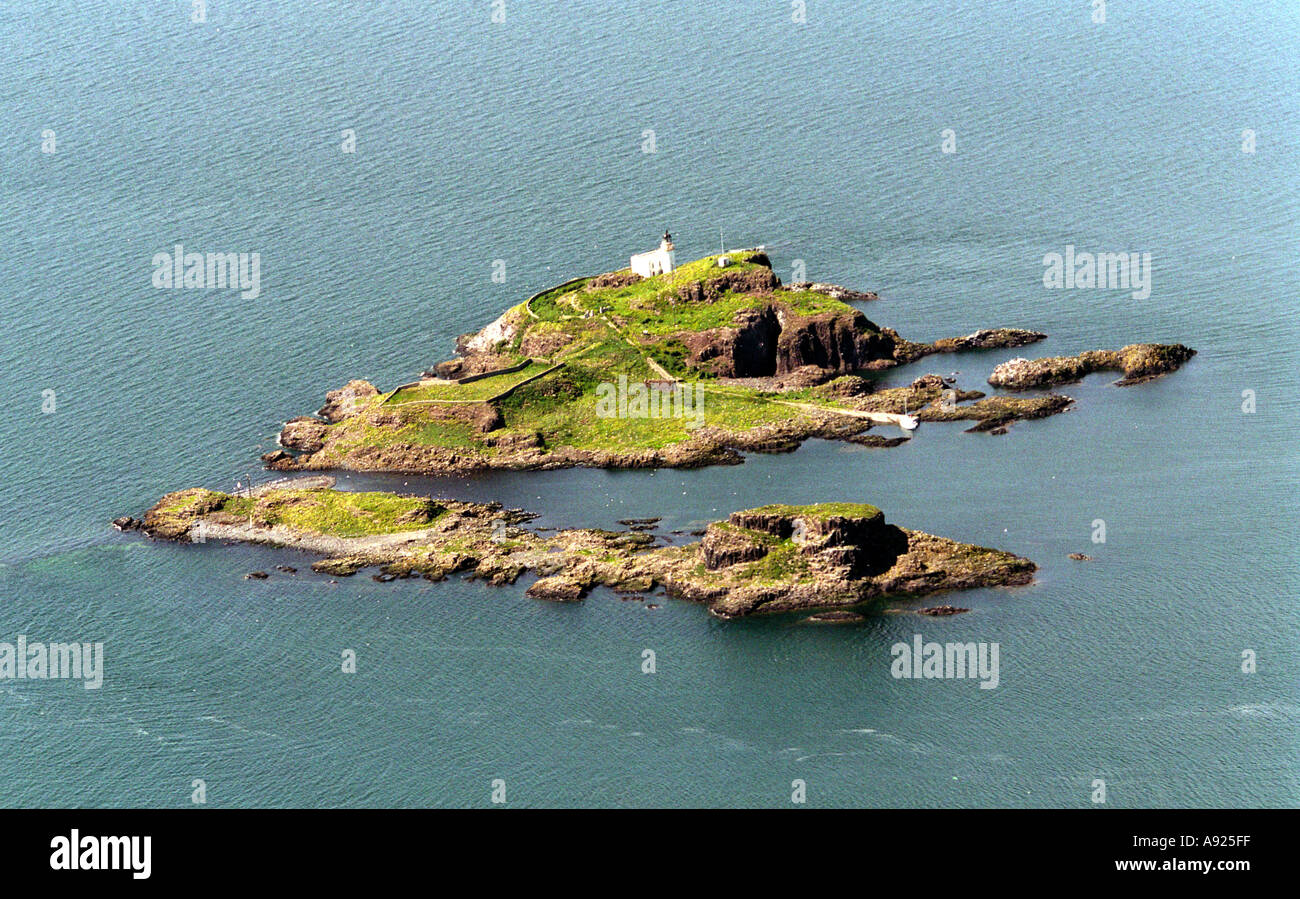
(656, 262)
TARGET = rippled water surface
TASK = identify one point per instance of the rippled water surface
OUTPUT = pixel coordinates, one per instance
(522, 142)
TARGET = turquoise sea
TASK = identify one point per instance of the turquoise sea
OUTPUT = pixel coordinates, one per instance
(522, 141)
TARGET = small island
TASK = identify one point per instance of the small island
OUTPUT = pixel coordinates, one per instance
(832, 557)
(657, 367)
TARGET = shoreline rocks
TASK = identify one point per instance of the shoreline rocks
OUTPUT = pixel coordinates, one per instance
(906, 351)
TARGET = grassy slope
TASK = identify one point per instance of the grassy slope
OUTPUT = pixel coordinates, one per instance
(820, 511)
(312, 510)
(335, 513)
(611, 332)
(473, 392)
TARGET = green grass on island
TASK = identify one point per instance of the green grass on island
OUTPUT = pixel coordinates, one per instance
(818, 511)
(473, 392)
(314, 510)
(577, 337)
(341, 514)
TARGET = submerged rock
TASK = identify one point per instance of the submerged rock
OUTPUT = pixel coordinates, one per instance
(835, 618)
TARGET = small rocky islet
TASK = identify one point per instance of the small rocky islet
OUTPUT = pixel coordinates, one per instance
(825, 557)
(765, 367)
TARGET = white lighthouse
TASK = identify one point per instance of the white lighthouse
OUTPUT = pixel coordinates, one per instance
(656, 262)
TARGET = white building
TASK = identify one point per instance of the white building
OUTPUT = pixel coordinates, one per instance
(656, 262)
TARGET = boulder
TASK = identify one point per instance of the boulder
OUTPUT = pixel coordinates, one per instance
(304, 433)
(278, 460)
(486, 418)
(345, 402)
(557, 589)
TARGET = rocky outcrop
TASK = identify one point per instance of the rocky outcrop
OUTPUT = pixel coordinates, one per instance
(906, 351)
(836, 292)
(176, 513)
(861, 546)
(613, 279)
(346, 401)
(306, 434)
(724, 546)
(557, 589)
(1142, 362)
(748, 349)
(774, 341)
(989, 339)
(993, 414)
(933, 398)
(487, 418)
(1139, 362)
(279, 460)
(836, 342)
(487, 341)
(750, 281)
(855, 539)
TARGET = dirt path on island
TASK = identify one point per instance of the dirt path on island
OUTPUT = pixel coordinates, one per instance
(883, 418)
(281, 535)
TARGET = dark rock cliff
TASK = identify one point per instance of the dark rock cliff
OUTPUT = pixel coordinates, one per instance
(860, 544)
(839, 342)
(775, 341)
